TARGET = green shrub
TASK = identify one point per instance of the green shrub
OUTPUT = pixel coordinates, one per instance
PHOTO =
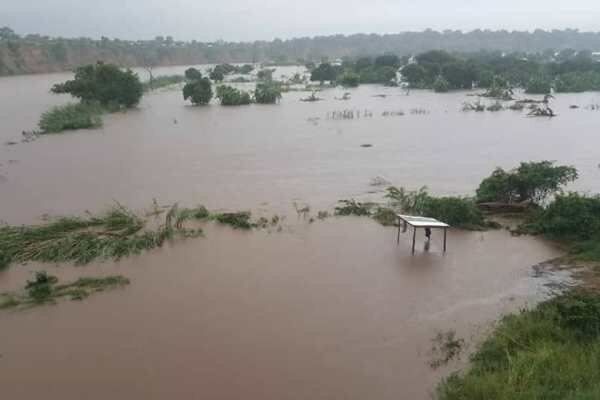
(349, 79)
(71, 116)
(531, 181)
(237, 220)
(106, 84)
(267, 93)
(192, 74)
(456, 211)
(538, 85)
(441, 85)
(353, 207)
(198, 91)
(229, 96)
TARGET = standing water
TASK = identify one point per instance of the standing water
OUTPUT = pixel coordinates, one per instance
(332, 309)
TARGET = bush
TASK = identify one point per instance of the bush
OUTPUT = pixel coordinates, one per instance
(349, 79)
(199, 91)
(441, 85)
(456, 211)
(569, 217)
(229, 96)
(267, 93)
(538, 85)
(217, 76)
(192, 74)
(531, 181)
(71, 116)
(104, 83)
(265, 74)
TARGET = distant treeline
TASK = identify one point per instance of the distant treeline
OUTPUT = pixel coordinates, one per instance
(20, 54)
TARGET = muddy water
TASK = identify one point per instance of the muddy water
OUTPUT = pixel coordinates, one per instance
(328, 310)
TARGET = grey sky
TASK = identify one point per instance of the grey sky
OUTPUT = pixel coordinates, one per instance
(247, 20)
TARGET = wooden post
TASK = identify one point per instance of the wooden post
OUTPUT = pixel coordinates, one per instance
(445, 229)
(399, 227)
(414, 236)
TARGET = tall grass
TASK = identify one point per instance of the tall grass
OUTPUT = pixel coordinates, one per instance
(549, 353)
(70, 117)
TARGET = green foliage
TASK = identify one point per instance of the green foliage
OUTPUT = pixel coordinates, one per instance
(441, 85)
(71, 116)
(349, 79)
(415, 75)
(217, 76)
(267, 93)
(551, 353)
(192, 74)
(198, 91)
(115, 234)
(538, 85)
(325, 72)
(229, 96)
(238, 220)
(46, 290)
(106, 84)
(531, 181)
(456, 211)
(353, 207)
(577, 81)
(570, 216)
(387, 60)
(265, 74)
(385, 216)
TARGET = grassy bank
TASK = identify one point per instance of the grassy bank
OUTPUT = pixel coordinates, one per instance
(45, 289)
(550, 352)
(162, 81)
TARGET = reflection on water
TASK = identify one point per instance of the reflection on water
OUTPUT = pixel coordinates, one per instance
(333, 309)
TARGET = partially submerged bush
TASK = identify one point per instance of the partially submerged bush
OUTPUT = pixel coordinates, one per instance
(531, 181)
(198, 91)
(71, 116)
(267, 93)
(353, 207)
(104, 83)
(229, 96)
(441, 85)
(237, 220)
(162, 81)
(349, 79)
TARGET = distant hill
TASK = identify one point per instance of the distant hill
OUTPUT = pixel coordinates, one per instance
(37, 54)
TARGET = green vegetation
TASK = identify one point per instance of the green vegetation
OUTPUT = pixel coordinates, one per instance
(192, 74)
(550, 352)
(46, 290)
(216, 76)
(267, 93)
(538, 85)
(71, 116)
(353, 207)
(531, 181)
(538, 73)
(265, 74)
(349, 79)
(162, 81)
(441, 85)
(198, 89)
(115, 234)
(106, 84)
(229, 96)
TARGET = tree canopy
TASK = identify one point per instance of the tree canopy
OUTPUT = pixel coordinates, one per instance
(103, 83)
(230, 96)
(198, 91)
(267, 93)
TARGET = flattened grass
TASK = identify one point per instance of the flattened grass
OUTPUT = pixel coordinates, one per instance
(46, 290)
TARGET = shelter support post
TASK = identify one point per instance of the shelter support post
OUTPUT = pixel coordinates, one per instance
(445, 229)
(414, 237)
(399, 227)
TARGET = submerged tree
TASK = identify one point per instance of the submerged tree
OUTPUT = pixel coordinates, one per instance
(198, 91)
(104, 83)
(267, 93)
(230, 96)
(193, 74)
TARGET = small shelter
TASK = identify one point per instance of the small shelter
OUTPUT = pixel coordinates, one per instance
(419, 222)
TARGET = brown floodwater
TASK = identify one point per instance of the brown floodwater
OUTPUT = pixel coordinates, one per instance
(328, 310)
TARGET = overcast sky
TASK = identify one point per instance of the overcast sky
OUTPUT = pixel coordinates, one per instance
(248, 20)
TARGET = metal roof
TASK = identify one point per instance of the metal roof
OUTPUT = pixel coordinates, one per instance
(422, 222)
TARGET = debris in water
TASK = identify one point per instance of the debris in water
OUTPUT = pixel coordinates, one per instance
(446, 347)
(366, 145)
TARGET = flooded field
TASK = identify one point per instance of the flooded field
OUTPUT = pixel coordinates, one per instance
(328, 310)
